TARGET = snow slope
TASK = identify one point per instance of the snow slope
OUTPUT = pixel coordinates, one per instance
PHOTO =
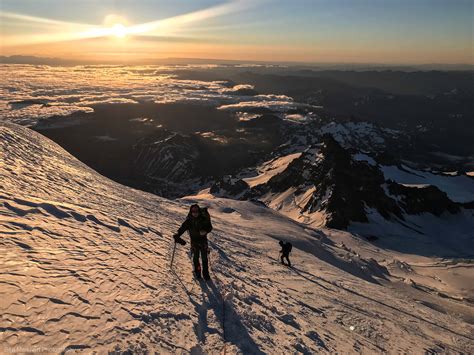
(270, 169)
(84, 267)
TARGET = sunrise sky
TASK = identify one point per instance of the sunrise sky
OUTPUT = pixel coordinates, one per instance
(342, 31)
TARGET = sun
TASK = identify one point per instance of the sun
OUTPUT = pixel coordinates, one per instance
(119, 30)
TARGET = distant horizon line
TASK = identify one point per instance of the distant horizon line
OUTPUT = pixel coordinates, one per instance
(23, 58)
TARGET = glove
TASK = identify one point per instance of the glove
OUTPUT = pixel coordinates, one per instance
(178, 239)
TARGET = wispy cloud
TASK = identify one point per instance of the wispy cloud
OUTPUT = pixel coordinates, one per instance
(59, 31)
(37, 20)
(166, 25)
(173, 38)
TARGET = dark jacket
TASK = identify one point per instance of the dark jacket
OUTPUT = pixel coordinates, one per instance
(286, 248)
(195, 225)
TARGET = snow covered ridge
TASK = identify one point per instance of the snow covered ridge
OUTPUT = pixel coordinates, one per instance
(332, 187)
(360, 135)
(272, 168)
(310, 127)
(459, 188)
(84, 268)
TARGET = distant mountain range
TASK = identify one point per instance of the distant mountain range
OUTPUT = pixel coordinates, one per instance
(328, 185)
(344, 175)
(35, 60)
(384, 154)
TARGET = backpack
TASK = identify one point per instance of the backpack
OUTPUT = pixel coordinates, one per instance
(288, 247)
(205, 214)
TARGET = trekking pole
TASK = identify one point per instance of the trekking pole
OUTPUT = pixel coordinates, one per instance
(209, 258)
(223, 319)
(172, 256)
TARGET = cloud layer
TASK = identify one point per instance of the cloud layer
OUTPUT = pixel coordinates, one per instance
(29, 93)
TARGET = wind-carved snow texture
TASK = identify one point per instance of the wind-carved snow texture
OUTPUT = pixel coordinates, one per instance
(85, 267)
(29, 93)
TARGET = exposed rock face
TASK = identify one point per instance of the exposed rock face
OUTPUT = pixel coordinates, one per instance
(349, 186)
(228, 186)
(296, 174)
(343, 188)
(264, 121)
(166, 160)
(423, 199)
(174, 165)
(167, 156)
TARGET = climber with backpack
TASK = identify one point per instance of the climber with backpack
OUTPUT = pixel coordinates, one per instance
(285, 251)
(198, 224)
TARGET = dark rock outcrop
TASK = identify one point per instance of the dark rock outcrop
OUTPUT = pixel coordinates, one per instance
(265, 121)
(416, 200)
(228, 186)
(345, 188)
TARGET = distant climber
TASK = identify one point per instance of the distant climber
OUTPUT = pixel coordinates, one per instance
(198, 224)
(285, 251)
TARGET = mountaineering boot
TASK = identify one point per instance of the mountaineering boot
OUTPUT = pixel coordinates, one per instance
(197, 272)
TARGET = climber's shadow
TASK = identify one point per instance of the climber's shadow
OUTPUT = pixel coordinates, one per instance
(234, 331)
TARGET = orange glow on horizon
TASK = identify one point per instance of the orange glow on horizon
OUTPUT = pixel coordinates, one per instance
(182, 35)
